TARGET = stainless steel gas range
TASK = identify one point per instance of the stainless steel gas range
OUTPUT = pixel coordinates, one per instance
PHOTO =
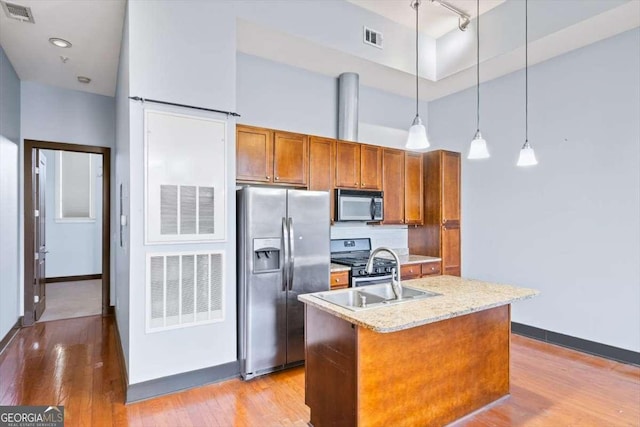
(355, 253)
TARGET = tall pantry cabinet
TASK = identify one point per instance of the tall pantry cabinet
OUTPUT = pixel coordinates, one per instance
(440, 235)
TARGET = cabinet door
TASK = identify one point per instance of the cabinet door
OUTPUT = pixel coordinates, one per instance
(392, 183)
(340, 280)
(253, 154)
(347, 164)
(410, 271)
(322, 166)
(413, 196)
(450, 236)
(450, 186)
(370, 167)
(290, 158)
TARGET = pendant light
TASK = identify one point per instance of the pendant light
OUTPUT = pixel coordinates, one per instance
(417, 139)
(478, 148)
(527, 155)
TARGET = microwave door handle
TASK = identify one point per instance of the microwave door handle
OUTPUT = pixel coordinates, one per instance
(285, 257)
(372, 209)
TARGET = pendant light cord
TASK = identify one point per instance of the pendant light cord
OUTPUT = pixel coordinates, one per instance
(526, 71)
(417, 4)
(478, 64)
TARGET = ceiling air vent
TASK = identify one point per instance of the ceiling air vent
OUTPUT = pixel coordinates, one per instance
(373, 37)
(16, 11)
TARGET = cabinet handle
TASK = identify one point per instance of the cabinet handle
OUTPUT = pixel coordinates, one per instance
(268, 177)
(355, 183)
(337, 280)
(277, 178)
(433, 268)
(362, 185)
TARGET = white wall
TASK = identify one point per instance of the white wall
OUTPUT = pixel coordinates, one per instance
(10, 300)
(61, 115)
(569, 226)
(80, 242)
(180, 52)
(121, 191)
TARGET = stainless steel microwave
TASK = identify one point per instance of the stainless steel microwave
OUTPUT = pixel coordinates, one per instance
(358, 205)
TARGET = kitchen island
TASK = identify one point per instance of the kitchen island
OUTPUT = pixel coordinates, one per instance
(417, 363)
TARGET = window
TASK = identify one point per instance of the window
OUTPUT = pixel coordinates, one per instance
(75, 187)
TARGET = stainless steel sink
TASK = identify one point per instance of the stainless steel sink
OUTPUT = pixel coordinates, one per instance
(373, 296)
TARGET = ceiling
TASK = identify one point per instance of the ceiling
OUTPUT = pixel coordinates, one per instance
(93, 27)
(435, 20)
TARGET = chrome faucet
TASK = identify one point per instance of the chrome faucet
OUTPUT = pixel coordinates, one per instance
(396, 284)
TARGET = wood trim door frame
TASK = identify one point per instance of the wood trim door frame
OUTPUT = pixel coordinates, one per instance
(29, 145)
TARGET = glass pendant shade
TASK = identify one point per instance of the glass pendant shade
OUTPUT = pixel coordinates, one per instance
(478, 148)
(527, 156)
(417, 139)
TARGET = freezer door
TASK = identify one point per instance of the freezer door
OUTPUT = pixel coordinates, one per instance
(262, 291)
(309, 222)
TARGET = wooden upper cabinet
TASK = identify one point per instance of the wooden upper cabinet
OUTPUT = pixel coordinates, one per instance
(392, 185)
(271, 157)
(290, 158)
(254, 151)
(450, 164)
(322, 167)
(370, 167)
(347, 164)
(413, 192)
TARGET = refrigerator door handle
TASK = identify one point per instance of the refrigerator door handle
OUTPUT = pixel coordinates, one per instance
(291, 253)
(285, 258)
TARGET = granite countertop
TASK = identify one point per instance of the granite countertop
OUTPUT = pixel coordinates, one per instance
(336, 268)
(459, 297)
(417, 259)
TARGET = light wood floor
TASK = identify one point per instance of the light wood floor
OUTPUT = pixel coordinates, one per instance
(74, 362)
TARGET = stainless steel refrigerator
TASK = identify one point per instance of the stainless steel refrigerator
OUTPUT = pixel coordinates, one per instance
(283, 251)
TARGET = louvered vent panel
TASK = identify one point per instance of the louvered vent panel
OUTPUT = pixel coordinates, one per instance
(187, 209)
(216, 282)
(188, 285)
(173, 290)
(184, 289)
(206, 204)
(202, 287)
(194, 214)
(156, 278)
(169, 209)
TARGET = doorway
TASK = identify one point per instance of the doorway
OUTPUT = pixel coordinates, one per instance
(69, 277)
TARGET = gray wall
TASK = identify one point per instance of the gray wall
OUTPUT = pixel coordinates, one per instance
(61, 115)
(569, 226)
(75, 248)
(280, 96)
(10, 302)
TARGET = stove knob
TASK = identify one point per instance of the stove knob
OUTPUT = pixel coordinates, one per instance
(377, 270)
(362, 272)
(388, 269)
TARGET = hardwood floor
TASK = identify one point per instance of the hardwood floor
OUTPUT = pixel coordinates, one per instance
(75, 363)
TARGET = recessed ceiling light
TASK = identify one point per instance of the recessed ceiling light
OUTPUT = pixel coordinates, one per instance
(83, 79)
(59, 42)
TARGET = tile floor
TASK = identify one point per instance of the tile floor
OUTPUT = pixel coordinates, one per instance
(66, 300)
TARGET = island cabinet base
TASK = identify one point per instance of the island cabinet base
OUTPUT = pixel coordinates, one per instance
(428, 375)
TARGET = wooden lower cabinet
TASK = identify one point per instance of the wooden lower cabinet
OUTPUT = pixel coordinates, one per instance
(417, 270)
(339, 280)
(428, 375)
